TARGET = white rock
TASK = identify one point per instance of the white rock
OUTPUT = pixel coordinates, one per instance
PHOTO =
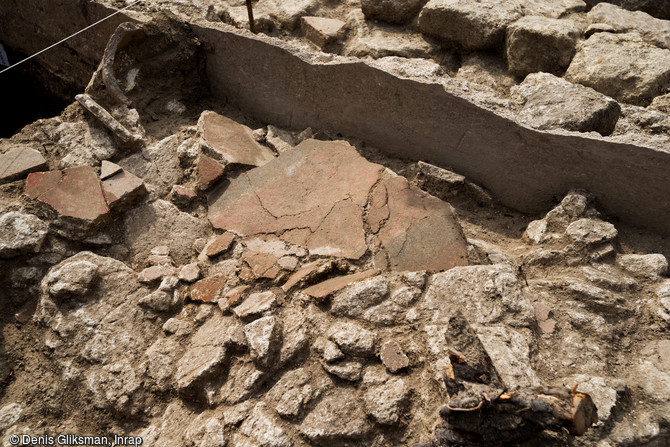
(21, 233)
(644, 266)
(509, 351)
(262, 427)
(385, 402)
(486, 294)
(591, 231)
(353, 339)
(72, 278)
(263, 337)
(353, 300)
(9, 415)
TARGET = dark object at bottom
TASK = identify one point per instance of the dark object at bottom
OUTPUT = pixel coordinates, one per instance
(516, 417)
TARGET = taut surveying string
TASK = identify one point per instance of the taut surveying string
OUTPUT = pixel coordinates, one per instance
(71, 36)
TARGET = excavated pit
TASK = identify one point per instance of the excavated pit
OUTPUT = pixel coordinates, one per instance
(26, 92)
(235, 239)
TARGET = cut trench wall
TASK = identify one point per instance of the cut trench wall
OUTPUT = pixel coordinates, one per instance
(29, 26)
(421, 120)
(412, 119)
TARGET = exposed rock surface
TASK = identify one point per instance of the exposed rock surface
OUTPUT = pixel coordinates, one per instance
(231, 141)
(473, 25)
(19, 162)
(653, 31)
(657, 8)
(346, 303)
(622, 66)
(21, 233)
(549, 102)
(392, 11)
(541, 44)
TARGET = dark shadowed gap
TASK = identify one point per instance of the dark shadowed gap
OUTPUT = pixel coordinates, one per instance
(24, 96)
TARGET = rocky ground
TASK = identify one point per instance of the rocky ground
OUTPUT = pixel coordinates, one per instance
(174, 269)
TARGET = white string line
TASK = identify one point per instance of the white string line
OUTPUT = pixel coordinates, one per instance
(71, 36)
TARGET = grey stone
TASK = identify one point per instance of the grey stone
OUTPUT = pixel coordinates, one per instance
(385, 402)
(279, 140)
(622, 66)
(189, 273)
(594, 297)
(640, 428)
(21, 233)
(345, 369)
(392, 11)
(657, 8)
(264, 339)
(161, 358)
(237, 414)
(608, 277)
(206, 352)
(591, 231)
(651, 267)
(661, 103)
(168, 284)
(262, 427)
(296, 389)
(540, 44)
(353, 339)
(243, 380)
(653, 31)
(328, 350)
(108, 169)
(355, 299)
(644, 119)
(72, 279)
(378, 43)
(509, 351)
(474, 25)
(486, 294)
(177, 327)
(295, 339)
(387, 313)
(114, 387)
(255, 304)
(19, 162)
(159, 301)
(405, 296)
(206, 431)
(437, 181)
(288, 14)
(336, 418)
(654, 367)
(9, 415)
(575, 203)
(550, 102)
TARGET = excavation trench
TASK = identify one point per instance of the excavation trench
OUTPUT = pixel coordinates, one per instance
(28, 93)
(411, 118)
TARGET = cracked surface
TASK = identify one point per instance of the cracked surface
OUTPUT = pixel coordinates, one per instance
(324, 187)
